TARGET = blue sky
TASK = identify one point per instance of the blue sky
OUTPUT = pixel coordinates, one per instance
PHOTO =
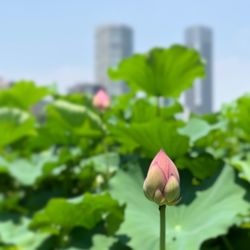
(53, 40)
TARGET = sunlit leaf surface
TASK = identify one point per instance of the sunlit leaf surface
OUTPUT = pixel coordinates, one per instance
(209, 215)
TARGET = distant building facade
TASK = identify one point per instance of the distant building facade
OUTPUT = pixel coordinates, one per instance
(199, 99)
(90, 88)
(4, 84)
(112, 44)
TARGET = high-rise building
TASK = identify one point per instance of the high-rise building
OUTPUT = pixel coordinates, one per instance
(4, 84)
(84, 87)
(199, 99)
(112, 44)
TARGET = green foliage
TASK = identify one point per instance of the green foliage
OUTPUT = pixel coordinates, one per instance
(243, 165)
(210, 214)
(197, 128)
(102, 242)
(71, 176)
(238, 116)
(14, 125)
(18, 234)
(201, 166)
(73, 118)
(22, 95)
(161, 72)
(102, 162)
(35, 166)
(63, 215)
(153, 135)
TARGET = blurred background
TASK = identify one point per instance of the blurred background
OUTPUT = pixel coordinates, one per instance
(71, 43)
(75, 148)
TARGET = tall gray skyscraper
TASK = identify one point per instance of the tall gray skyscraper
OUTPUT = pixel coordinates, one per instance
(199, 99)
(113, 43)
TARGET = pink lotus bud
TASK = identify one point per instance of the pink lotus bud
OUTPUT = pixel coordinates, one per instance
(162, 184)
(101, 100)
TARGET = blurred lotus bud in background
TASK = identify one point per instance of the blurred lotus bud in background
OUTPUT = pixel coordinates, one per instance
(101, 100)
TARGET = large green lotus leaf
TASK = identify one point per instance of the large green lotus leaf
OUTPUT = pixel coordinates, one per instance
(102, 242)
(18, 235)
(152, 136)
(68, 123)
(14, 125)
(102, 162)
(210, 214)
(161, 72)
(84, 212)
(23, 95)
(27, 171)
(78, 112)
(201, 166)
(197, 128)
(66, 116)
(143, 110)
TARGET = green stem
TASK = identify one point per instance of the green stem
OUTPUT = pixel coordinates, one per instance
(162, 227)
(106, 151)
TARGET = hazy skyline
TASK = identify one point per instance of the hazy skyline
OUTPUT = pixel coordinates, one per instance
(54, 40)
